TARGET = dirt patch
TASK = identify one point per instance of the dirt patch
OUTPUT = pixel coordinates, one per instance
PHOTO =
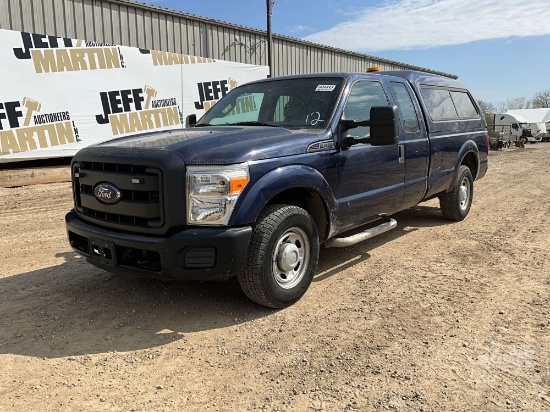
(433, 316)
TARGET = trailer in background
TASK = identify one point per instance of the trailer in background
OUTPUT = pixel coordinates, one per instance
(500, 137)
(538, 120)
(515, 127)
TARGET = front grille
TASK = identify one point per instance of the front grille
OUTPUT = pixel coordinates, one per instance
(140, 204)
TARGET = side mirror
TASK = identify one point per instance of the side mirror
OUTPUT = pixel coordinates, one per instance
(191, 120)
(384, 129)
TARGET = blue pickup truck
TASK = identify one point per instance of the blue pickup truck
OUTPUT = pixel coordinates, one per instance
(274, 170)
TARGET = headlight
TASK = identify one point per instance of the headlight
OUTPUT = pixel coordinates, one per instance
(212, 192)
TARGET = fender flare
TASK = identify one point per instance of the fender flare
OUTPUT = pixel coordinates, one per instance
(277, 181)
(468, 147)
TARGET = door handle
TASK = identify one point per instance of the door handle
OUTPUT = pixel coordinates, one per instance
(401, 153)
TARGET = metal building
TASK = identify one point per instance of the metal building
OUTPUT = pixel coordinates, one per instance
(128, 23)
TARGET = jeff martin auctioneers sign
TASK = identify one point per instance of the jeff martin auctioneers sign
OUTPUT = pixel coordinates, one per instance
(59, 95)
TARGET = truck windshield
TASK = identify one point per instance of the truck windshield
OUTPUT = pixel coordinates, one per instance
(524, 125)
(291, 103)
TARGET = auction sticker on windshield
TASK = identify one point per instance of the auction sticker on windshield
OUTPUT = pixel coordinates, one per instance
(325, 88)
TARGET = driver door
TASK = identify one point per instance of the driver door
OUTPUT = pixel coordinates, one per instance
(371, 178)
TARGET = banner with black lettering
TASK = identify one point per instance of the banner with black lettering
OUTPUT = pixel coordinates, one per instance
(59, 95)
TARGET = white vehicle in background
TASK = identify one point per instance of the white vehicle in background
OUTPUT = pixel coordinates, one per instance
(516, 128)
(538, 119)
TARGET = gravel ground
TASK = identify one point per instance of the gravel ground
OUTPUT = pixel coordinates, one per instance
(433, 316)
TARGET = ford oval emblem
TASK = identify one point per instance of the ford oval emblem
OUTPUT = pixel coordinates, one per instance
(107, 193)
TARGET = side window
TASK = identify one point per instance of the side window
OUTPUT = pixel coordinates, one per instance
(464, 106)
(364, 94)
(406, 108)
(515, 126)
(439, 103)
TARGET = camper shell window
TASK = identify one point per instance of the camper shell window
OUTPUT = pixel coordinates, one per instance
(464, 106)
(439, 103)
(446, 104)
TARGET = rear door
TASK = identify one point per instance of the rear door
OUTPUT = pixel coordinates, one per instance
(415, 147)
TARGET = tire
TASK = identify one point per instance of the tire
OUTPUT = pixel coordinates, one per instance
(282, 257)
(456, 204)
(523, 140)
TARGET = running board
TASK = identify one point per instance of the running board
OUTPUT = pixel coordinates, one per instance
(389, 224)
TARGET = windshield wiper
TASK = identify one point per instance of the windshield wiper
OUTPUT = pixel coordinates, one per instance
(250, 124)
(236, 124)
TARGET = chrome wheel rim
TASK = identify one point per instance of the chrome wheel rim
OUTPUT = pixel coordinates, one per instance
(464, 193)
(290, 258)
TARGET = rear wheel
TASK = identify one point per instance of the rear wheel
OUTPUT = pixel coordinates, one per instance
(282, 256)
(456, 204)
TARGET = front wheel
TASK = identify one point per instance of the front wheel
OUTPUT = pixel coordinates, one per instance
(456, 204)
(282, 256)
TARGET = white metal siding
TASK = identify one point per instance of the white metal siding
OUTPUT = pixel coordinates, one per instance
(132, 24)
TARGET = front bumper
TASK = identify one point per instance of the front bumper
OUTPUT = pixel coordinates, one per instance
(192, 254)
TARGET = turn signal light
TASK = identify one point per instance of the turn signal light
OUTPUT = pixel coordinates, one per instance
(237, 184)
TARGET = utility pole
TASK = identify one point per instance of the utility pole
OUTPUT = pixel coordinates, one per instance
(269, 37)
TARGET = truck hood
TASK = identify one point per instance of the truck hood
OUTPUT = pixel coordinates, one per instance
(222, 144)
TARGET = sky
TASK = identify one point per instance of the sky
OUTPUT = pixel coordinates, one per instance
(499, 48)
